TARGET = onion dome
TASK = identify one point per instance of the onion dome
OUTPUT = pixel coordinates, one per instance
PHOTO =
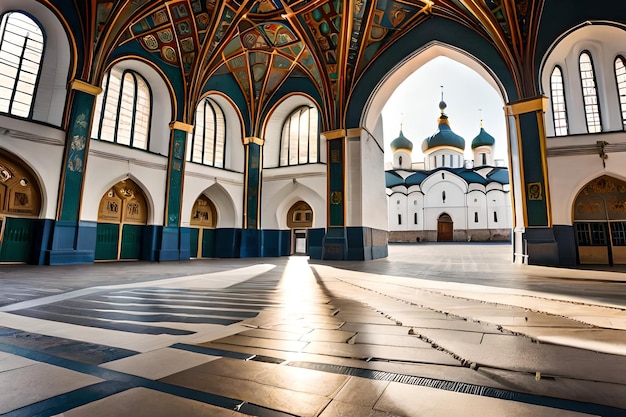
(483, 139)
(445, 136)
(401, 142)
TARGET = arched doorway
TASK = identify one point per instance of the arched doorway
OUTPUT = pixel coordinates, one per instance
(204, 218)
(445, 228)
(600, 222)
(299, 219)
(20, 203)
(122, 215)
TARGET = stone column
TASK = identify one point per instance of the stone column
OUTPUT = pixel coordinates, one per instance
(533, 240)
(172, 245)
(72, 241)
(357, 202)
(251, 237)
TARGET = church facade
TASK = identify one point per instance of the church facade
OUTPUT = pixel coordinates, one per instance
(171, 130)
(447, 198)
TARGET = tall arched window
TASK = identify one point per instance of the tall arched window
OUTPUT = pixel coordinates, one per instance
(590, 93)
(300, 137)
(21, 51)
(559, 111)
(620, 77)
(124, 109)
(208, 143)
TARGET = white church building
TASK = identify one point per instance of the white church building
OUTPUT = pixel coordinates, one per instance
(445, 198)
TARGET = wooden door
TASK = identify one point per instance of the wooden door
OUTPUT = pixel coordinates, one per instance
(445, 228)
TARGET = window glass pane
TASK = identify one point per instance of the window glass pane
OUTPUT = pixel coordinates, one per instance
(590, 95)
(21, 50)
(313, 135)
(559, 113)
(582, 234)
(284, 144)
(620, 76)
(209, 136)
(618, 233)
(220, 135)
(143, 111)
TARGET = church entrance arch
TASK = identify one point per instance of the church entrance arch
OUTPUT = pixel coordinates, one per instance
(202, 233)
(122, 215)
(20, 202)
(445, 228)
(600, 222)
(299, 220)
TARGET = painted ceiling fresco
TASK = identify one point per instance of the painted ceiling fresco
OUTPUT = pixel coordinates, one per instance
(264, 43)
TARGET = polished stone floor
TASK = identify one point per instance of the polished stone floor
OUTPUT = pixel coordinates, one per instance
(432, 330)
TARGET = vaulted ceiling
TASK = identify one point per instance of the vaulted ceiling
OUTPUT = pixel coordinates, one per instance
(259, 47)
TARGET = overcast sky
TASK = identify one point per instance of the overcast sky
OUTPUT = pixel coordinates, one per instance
(415, 104)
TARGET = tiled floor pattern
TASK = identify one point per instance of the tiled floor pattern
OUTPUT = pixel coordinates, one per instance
(314, 341)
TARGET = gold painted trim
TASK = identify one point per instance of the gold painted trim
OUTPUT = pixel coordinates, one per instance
(354, 132)
(80, 85)
(251, 139)
(527, 106)
(185, 127)
(335, 134)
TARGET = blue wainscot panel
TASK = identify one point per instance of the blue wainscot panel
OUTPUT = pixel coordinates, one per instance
(227, 243)
(315, 239)
(250, 243)
(168, 244)
(270, 243)
(185, 244)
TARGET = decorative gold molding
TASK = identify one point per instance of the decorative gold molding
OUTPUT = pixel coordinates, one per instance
(335, 134)
(181, 126)
(80, 85)
(527, 106)
(252, 139)
(354, 132)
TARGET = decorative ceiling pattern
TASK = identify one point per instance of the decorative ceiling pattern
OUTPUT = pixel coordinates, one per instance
(263, 43)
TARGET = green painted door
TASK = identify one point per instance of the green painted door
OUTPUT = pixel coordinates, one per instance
(17, 241)
(208, 243)
(193, 242)
(132, 235)
(107, 235)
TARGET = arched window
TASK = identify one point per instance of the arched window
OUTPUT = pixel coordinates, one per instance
(590, 93)
(124, 109)
(559, 111)
(21, 51)
(208, 143)
(400, 161)
(620, 76)
(299, 141)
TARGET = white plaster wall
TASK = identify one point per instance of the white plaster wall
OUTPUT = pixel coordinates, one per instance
(282, 187)
(604, 43)
(162, 107)
(51, 92)
(41, 148)
(224, 189)
(476, 203)
(499, 202)
(415, 205)
(235, 151)
(435, 158)
(406, 159)
(274, 126)
(488, 151)
(568, 174)
(107, 166)
(374, 204)
(397, 203)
